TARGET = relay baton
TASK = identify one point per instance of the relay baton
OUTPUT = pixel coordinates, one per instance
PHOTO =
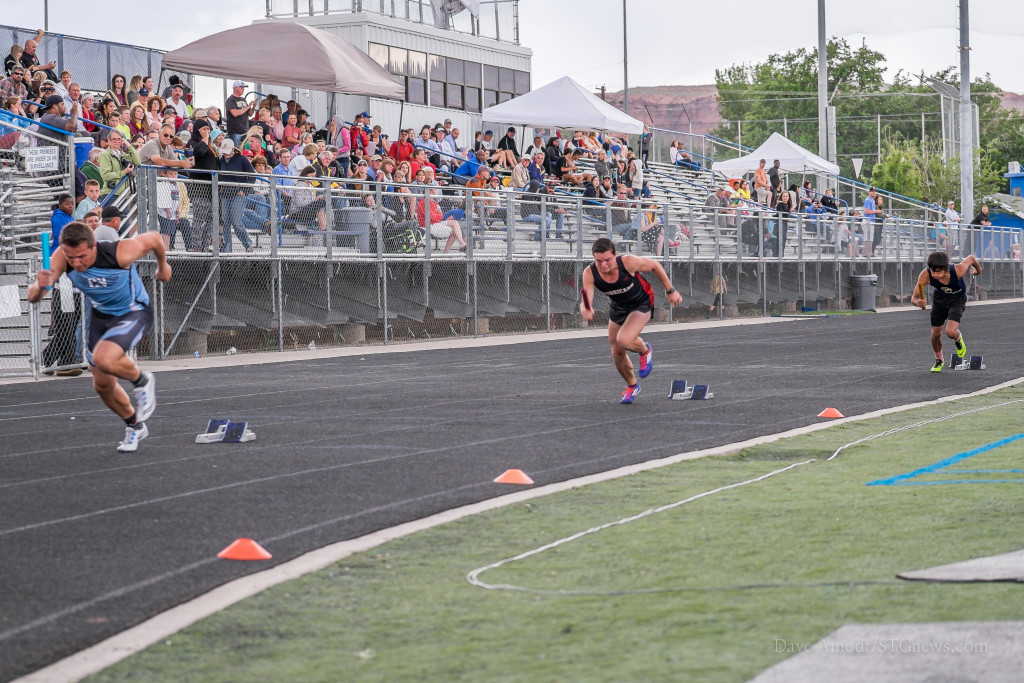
(586, 298)
(46, 253)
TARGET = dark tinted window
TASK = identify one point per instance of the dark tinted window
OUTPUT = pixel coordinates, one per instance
(473, 75)
(490, 98)
(456, 71)
(472, 99)
(522, 82)
(454, 96)
(436, 94)
(491, 77)
(416, 91)
(506, 78)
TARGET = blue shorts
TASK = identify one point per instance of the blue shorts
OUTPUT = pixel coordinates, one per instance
(124, 330)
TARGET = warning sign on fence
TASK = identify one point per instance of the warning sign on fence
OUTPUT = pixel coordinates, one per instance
(41, 158)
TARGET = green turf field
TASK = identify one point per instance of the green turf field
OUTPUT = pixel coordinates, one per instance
(712, 590)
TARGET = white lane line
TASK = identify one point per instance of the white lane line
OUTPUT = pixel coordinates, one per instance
(138, 638)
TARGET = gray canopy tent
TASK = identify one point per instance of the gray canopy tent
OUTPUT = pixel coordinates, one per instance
(328, 63)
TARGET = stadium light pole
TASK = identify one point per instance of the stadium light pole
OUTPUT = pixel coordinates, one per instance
(822, 83)
(625, 63)
(966, 124)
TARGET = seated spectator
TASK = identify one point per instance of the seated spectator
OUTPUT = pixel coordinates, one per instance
(647, 224)
(828, 202)
(485, 142)
(535, 208)
(537, 146)
(507, 154)
(9, 134)
(91, 167)
(622, 221)
(116, 162)
(433, 222)
(495, 209)
(419, 161)
(469, 168)
(521, 173)
(536, 168)
(14, 85)
(568, 172)
(402, 150)
(301, 161)
(307, 206)
(61, 216)
(91, 201)
(807, 195)
(553, 156)
(282, 180)
(103, 233)
(815, 210)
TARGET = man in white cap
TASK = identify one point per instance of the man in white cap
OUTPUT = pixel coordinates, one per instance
(236, 112)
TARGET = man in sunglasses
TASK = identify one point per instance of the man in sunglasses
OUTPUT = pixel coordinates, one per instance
(14, 85)
(159, 152)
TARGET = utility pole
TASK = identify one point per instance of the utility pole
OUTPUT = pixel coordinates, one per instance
(605, 99)
(966, 125)
(625, 63)
(823, 150)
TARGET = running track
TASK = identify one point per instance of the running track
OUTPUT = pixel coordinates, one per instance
(92, 542)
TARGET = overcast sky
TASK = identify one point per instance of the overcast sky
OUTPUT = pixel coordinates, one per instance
(671, 42)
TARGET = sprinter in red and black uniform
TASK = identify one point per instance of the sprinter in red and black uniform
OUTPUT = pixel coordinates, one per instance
(631, 302)
(948, 300)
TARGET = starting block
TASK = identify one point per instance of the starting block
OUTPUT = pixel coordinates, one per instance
(226, 431)
(967, 363)
(680, 392)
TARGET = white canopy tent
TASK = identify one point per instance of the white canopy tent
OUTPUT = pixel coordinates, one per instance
(793, 158)
(328, 63)
(563, 104)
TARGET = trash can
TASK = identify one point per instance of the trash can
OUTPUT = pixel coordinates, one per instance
(82, 148)
(863, 292)
(356, 222)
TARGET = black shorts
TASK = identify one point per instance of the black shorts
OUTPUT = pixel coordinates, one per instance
(124, 330)
(947, 309)
(618, 315)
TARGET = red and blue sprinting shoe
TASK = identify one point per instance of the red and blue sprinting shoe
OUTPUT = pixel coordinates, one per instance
(646, 362)
(630, 393)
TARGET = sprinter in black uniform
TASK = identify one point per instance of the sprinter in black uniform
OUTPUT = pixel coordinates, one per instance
(948, 300)
(631, 302)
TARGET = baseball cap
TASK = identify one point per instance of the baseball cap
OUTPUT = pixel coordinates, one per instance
(52, 100)
(488, 132)
(227, 146)
(447, 120)
(111, 211)
(143, 91)
(238, 84)
(376, 157)
(366, 115)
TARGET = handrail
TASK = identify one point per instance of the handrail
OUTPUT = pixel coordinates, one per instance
(681, 180)
(34, 122)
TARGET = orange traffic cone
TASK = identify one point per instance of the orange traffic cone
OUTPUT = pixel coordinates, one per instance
(513, 477)
(244, 549)
(830, 412)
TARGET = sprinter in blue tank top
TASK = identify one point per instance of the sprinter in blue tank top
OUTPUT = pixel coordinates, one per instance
(121, 315)
(631, 300)
(948, 300)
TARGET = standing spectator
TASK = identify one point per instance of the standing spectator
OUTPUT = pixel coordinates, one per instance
(172, 210)
(719, 288)
(360, 140)
(13, 85)
(291, 135)
(234, 190)
(13, 59)
(284, 182)
(645, 146)
(774, 181)
(206, 161)
(30, 61)
(237, 112)
(871, 213)
(178, 103)
(118, 90)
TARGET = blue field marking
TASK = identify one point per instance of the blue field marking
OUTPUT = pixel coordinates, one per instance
(905, 479)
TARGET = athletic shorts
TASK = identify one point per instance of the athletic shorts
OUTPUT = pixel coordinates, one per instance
(947, 309)
(124, 330)
(618, 315)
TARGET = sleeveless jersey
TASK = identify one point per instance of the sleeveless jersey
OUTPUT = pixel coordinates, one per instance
(111, 289)
(628, 292)
(954, 290)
